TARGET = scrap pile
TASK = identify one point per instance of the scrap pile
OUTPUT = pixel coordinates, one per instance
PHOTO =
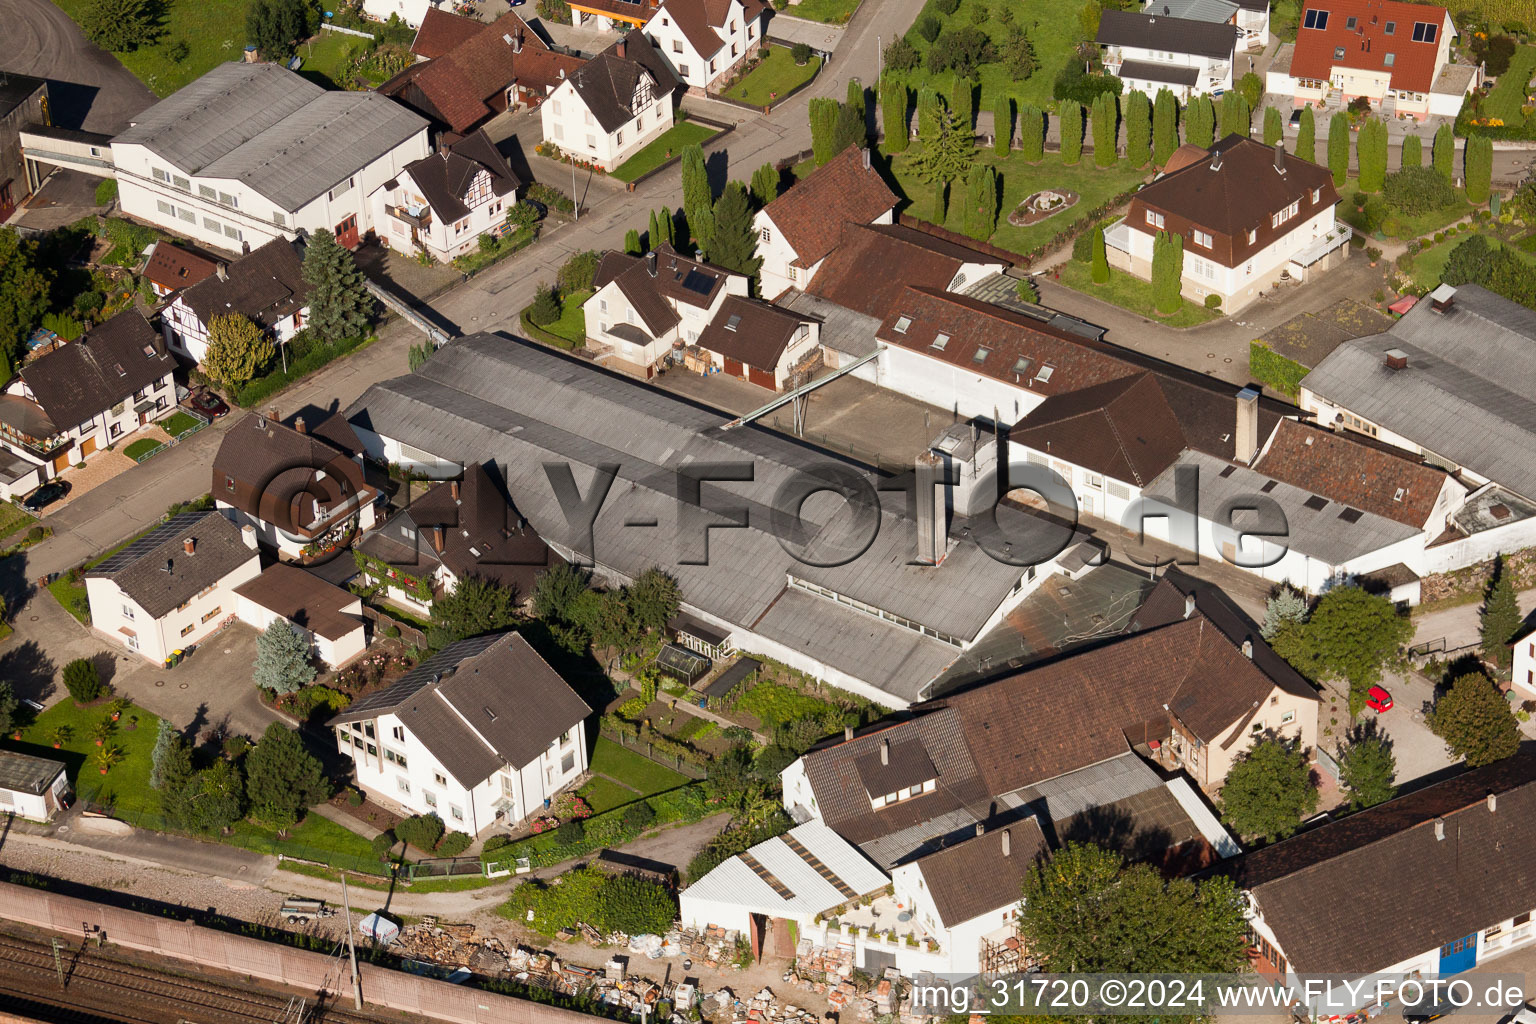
(451, 945)
(821, 969)
(764, 1009)
(713, 946)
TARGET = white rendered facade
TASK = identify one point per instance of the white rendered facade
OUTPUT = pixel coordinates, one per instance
(568, 123)
(737, 38)
(121, 619)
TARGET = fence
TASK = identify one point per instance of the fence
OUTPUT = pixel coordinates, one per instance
(381, 620)
(444, 867)
(707, 144)
(647, 751)
(1438, 648)
(202, 421)
(767, 108)
(1326, 761)
(346, 31)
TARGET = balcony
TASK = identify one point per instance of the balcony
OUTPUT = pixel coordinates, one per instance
(419, 217)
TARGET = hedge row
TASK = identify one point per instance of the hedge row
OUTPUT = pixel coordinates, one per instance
(683, 804)
(1270, 368)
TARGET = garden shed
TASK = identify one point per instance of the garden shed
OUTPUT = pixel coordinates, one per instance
(682, 664)
(712, 642)
(726, 688)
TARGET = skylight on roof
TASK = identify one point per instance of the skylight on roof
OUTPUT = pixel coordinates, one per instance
(940, 340)
(733, 321)
(981, 354)
(1399, 495)
(1044, 376)
(1021, 367)
(902, 323)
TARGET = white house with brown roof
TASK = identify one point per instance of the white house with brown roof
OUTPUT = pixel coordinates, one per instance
(797, 231)
(1247, 214)
(704, 41)
(1151, 50)
(412, 12)
(758, 341)
(173, 587)
(647, 306)
(481, 734)
(606, 111)
(170, 268)
(266, 286)
(442, 204)
(331, 618)
(35, 788)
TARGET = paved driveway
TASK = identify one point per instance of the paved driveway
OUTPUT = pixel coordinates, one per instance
(87, 86)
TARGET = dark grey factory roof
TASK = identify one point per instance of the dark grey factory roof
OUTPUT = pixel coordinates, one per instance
(16, 89)
(266, 126)
(1176, 35)
(479, 704)
(23, 773)
(1465, 394)
(1147, 71)
(1332, 533)
(485, 397)
(140, 569)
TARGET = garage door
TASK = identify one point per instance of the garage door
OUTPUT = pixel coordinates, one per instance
(61, 463)
(1459, 956)
(87, 447)
(762, 378)
(733, 367)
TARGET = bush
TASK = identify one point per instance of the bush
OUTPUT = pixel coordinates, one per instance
(421, 831)
(570, 832)
(1213, 301)
(453, 844)
(36, 534)
(383, 844)
(946, 7)
(496, 842)
(1415, 190)
(801, 52)
(1372, 253)
(928, 27)
(638, 815)
(83, 681)
(590, 896)
(106, 192)
(354, 798)
(178, 51)
(551, 197)
(546, 306)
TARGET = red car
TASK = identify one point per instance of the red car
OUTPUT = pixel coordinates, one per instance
(1378, 699)
(207, 403)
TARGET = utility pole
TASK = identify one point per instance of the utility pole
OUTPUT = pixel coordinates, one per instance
(357, 987)
(575, 199)
(58, 960)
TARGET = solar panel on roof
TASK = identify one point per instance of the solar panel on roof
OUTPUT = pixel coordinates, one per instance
(698, 281)
(1315, 503)
(423, 675)
(1351, 515)
(147, 543)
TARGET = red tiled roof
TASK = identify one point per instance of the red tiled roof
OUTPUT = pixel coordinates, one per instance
(441, 32)
(873, 265)
(1351, 470)
(810, 215)
(173, 267)
(1187, 154)
(1367, 44)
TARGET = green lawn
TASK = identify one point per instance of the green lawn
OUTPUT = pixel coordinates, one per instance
(1132, 293)
(1416, 226)
(213, 30)
(178, 423)
(72, 598)
(13, 519)
(603, 794)
(126, 785)
(1508, 94)
(610, 759)
(774, 703)
(1052, 28)
(571, 328)
(141, 448)
(672, 141)
(1430, 264)
(315, 838)
(774, 77)
(1020, 180)
(327, 56)
(833, 12)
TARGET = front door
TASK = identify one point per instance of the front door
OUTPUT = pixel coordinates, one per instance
(346, 232)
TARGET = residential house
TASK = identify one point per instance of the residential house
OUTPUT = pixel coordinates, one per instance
(874, 623)
(1448, 383)
(1462, 846)
(173, 587)
(170, 268)
(798, 229)
(88, 394)
(1523, 669)
(23, 104)
(1249, 17)
(646, 309)
(1248, 213)
(266, 286)
(1149, 50)
(473, 74)
(481, 734)
(253, 152)
(299, 489)
(610, 108)
(413, 12)
(759, 342)
(35, 788)
(705, 41)
(442, 204)
(330, 617)
(18, 476)
(458, 528)
(1393, 53)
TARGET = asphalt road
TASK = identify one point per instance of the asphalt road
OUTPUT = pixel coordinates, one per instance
(87, 86)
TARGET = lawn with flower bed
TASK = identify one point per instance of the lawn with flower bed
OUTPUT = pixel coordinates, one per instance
(1132, 293)
(178, 423)
(66, 732)
(773, 78)
(668, 144)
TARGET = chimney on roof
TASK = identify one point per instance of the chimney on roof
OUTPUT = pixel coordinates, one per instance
(1189, 605)
(189, 546)
(1395, 359)
(1007, 845)
(618, 50)
(271, 412)
(1280, 157)
(1215, 159)
(453, 489)
(517, 42)
(847, 733)
(885, 752)
(932, 535)
(1493, 802)
(1442, 299)
(245, 248)
(1246, 439)
(650, 263)
(298, 424)
(1248, 648)
(222, 270)
(248, 534)
(1440, 829)
(981, 828)
(435, 535)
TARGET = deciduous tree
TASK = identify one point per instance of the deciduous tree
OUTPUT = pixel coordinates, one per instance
(652, 599)
(340, 304)
(8, 707)
(1474, 720)
(282, 659)
(282, 778)
(476, 606)
(24, 291)
(1269, 790)
(1353, 635)
(1251, 88)
(1367, 768)
(214, 798)
(237, 350)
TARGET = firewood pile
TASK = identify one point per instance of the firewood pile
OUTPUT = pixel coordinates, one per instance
(452, 945)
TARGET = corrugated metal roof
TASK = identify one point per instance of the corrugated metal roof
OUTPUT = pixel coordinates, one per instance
(1104, 783)
(736, 883)
(266, 126)
(1465, 393)
(1218, 11)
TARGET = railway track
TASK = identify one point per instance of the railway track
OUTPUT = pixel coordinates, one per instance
(101, 988)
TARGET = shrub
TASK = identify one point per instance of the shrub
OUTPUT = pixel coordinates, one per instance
(383, 844)
(638, 815)
(1439, 237)
(570, 832)
(83, 681)
(1415, 190)
(497, 842)
(354, 798)
(178, 51)
(551, 197)
(928, 27)
(1372, 253)
(421, 831)
(1414, 248)
(546, 306)
(801, 52)
(36, 534)
(947, 7)
(1213, 301)
(453, 844)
